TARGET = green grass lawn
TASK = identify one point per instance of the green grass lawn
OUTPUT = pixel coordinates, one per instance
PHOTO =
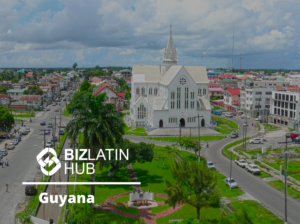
(226, 152)
(224, 189)
(293, 166)
(127, 209)
(159, 209)
(256, 212)
(280, 186)
(258, 126)
(23, 115)
(188, 211)
(217, 108)
(270, 128)
(175, 139)
(225, 126)
(296, 176)
(65, 113)
(138, 131)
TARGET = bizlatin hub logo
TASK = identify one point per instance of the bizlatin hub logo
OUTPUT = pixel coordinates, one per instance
(48, 157)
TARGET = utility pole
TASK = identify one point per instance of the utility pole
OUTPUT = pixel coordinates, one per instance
(285, 183)
(230, 169)
(232, 48)
(198, 117)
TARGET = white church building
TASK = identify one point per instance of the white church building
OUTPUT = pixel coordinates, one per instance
(169, 95)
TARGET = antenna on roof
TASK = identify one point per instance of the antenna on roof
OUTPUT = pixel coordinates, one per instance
(232, 48)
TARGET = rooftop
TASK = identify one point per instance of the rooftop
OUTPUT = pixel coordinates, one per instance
(16, 90)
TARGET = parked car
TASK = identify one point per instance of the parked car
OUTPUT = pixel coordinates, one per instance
(30, 189)
(119, 109)
(234, 135)
(217, 112)
(3, 152)
(64, 99)
(48, 144)
(262, 138)
(259, 119)
(47, 131)
(244, 116)
(62, 125)
(288, 134)
(56, 110)
(296, 140)
(253, 168)
(256, 141)
(24, 132)
(50, 125)
(10, 145)
(230, 182)
(228, 114)
(27, 129)
(245, 124)
(48, 109)
(61, 132)
(15, 141)
(43, 123)
(241, 162)
(293, 135)
(210, 165)
(4, 136)
(53, 139)
(19, 138)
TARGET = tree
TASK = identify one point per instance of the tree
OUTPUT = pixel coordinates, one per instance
(15, 80)
(99, 123)
(6, 118)
(194, 185)
(85, 85)
(91, 88)
(33, 90)
(138, 152)
(74, 66)
(34, 76)
(3, 90)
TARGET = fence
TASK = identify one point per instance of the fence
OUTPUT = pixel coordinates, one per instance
(225, 208)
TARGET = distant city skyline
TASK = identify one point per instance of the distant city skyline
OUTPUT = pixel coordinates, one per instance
(57, 33)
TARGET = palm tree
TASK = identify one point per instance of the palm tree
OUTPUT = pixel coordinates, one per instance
(100, 123)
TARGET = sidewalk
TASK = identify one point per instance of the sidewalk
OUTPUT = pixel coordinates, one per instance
(52, 211)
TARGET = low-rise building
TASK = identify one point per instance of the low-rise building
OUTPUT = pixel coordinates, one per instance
(15, 94)
(232, 99)
(4, 100)
(124, 73)
(269, 83)
(118, 99)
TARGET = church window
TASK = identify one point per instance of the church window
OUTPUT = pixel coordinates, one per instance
(150, 91)
(155, 91)
(192, 104)
(192, 95)
(186, 97)
(204, 91)
(143, 91)
(172, 104)
(172, 95)
(172, 119)
(178, 98)
(182, 81)
(141, 112)
(137, 90)
(199, 91)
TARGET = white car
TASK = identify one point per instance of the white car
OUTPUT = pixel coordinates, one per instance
(3, 152)
(230, 182)
(259, 119)
(10, 146)
(15, 141)
(228, 114)
(244, 116)
(245, 124)
(262, 138)
(252, 168)
(210, 165)
(256, 141)
(48, 144)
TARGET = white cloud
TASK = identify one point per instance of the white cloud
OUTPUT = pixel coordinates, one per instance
(287, 16)
(127, 52)
(258, 5)
(79, 55)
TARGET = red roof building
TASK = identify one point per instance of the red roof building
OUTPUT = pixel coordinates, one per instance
(113, 97)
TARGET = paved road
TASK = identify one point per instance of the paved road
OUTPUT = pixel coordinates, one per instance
(22, 165)
(267, 195)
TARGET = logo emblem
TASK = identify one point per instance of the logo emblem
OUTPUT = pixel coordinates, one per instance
(48, 161)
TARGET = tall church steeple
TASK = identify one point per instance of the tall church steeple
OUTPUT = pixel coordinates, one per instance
(170, 56)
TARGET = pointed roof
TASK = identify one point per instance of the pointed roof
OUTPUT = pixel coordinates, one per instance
(170, 50)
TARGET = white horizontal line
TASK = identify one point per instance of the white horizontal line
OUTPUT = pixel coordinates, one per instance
(81, 183)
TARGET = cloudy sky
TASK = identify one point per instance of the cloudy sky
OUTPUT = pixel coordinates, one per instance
(57, 33)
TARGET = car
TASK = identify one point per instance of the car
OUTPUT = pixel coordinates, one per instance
(118, 109)
(61, 132)
(56, 110)
(10, 145)
(210, 165)
(245, 124)
(293, 135)
(241, 162)
(253, 168)
(228, 114)
(30, 189)
(50, 125)
(48, 109)
(256, 141)
(48, 144)
(258, 119)
(234, 135)
(15, 141)
(62, 126)
(27, 129)
(19, 137)
(54, 104)
(43, 123)
(217, 112)
(288, 134)
(230, 182)
(244, 116)
(53, 139)
(24, 132)
(262, 138)
(47, 131)
(3, 152)
(4, 136)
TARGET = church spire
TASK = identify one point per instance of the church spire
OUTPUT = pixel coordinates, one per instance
(170, 56)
